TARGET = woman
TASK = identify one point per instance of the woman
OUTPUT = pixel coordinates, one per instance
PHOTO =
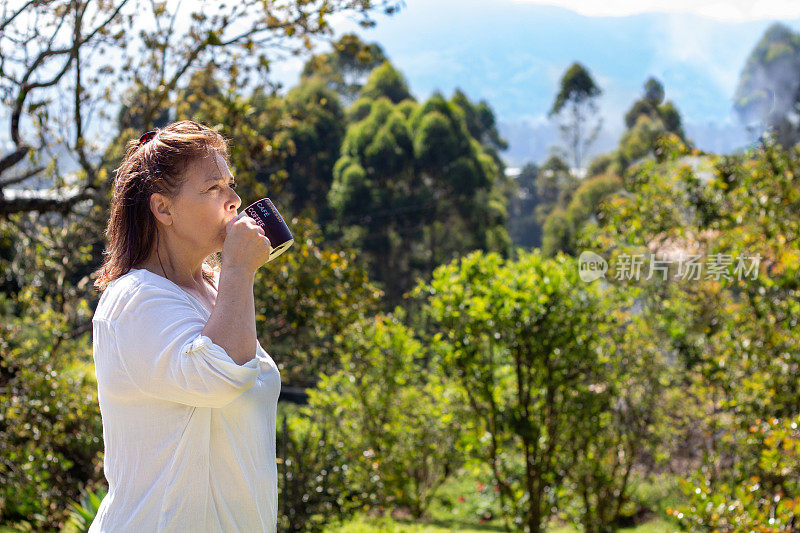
(187, 395)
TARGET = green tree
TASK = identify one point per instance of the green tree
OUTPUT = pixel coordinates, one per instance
(575, 106)
(481, 125)
(523, 227)
(652, 106)
(386, 82)
(50, 433)
(648, 120)
(309, 139)
(562, 225)
(522, 337)
(412, 188)
(391, 416)
(733, 335)
(346, 68)
(306, 299)
(554, 186)
(768, 94)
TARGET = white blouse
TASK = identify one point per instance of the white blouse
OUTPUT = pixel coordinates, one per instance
(189, 434)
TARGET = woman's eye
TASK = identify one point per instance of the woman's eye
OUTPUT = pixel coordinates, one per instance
(233, 185)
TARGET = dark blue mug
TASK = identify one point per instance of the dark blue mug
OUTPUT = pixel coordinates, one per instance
(276, 230)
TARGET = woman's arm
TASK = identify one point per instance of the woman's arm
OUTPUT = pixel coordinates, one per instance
(232, 324)
(156, 338)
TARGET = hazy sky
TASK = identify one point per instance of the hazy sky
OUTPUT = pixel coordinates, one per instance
(728, 10)
(513, 52)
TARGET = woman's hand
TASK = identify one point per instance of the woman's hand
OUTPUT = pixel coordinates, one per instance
(246, 245)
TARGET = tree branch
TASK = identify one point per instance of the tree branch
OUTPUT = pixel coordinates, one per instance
(19, 179)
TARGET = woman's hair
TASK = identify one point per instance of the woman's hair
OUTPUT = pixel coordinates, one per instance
(154, 164)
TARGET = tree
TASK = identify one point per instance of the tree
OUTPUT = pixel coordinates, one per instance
(386, 81)
(347, 67)
(563, 224)
(308, 142)
(768, 94)
(524, 229)
(400, 439)
(412, 188)
(46, 68)
(554, 186)
(648, 120)
(520, 339)
(652, 106)
(481, 125)
(576, 107)
(307, 298)
(732, 336)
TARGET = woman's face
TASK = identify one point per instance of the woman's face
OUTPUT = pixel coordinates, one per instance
(205, 204)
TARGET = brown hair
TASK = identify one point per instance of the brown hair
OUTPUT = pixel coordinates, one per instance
(154, 165)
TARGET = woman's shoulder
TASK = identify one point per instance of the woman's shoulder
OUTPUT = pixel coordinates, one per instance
(122, 292)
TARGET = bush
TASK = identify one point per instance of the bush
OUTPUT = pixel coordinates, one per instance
(767, 501)
(312, 472)
(50, 428)
(391, 418)
(84, 512)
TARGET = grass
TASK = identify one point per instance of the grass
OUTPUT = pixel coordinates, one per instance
(468, 496)
(364, 524)
(467, 503)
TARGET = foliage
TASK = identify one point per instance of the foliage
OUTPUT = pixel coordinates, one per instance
(768, 501)
(413, 188)
(150, 63)
(521, 339)
(768, 92)
(392, 417)
(49, 423)
(85, 511)
(562, 225)
(345, 68)
(607, 445)
(576, 105)
(733, 334)
(50, 430)
(647, 123)
(523, 228)
(313, 486)
(306, 299)
(385, 81)
(652, 105)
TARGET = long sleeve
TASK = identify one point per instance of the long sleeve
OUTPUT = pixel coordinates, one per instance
(159, 342)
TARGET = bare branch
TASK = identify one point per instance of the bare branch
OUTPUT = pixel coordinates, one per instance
(41, 203)
(13, 158)
(19, 179)
(9, 20)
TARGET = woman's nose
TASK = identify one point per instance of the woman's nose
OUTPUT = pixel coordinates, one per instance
(237, 202)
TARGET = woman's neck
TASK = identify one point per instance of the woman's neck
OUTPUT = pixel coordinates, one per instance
(180, 277)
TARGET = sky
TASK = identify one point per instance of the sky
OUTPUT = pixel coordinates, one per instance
(512, 53)
(725, 10)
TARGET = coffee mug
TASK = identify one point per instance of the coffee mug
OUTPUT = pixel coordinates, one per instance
(276, 230)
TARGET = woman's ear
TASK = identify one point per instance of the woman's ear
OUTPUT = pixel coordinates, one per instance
(161, 208)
